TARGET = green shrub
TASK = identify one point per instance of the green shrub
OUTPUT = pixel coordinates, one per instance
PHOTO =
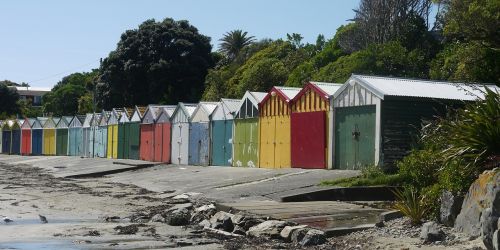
(420, 168)
(411, 204)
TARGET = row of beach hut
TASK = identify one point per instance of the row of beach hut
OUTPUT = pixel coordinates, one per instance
(367, 120)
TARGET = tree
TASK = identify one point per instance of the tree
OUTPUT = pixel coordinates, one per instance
(8, 101)
(234, 42)
(470, 62)
(160, 62)
(390, 59)
(85, 104)
(295, 39)
(64, 100)
(473, 20)
(381, 21)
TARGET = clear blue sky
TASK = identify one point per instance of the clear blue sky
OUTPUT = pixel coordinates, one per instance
(42, 41)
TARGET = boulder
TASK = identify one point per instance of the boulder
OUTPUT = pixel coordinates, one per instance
(287, 231)
(222, 220)
(180, 207)
(298, 234)
(237, 219)
(489, 224)
(496, 240)
(205, 223)
(250, 222)
(178, 217)
(239, 230)
(431, 232)
(205, 208)
(157, 218)
(313, 237)
(450, 208)
(484, 193)
(270, 228)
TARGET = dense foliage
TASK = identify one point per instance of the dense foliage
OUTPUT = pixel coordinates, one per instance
(66, 95)
(8, 101)
(160, 62)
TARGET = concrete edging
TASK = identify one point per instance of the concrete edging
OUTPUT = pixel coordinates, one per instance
(379, 193)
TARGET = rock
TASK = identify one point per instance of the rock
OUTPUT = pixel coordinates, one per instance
(222, 220)
(313, 237)
(431, 232)
(489, 224)
(220, 232)
(205, 208)
(250, 222)
(287, 231)
(157, 218)
(239, 230)
(380, 224)
(450, 208)
(270, 228)
(205, 223)
(237, 219)
(297, 235)
(483, 193)
(180, 207)
(496, 240)
(178, 218)
(180, 196)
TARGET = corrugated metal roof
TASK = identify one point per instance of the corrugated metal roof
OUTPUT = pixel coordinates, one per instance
(387, 86)
(327, 87)
(289, 92)
(208, 106)
(232, 104)
(169, 109)
(259, 96)
(190, 108)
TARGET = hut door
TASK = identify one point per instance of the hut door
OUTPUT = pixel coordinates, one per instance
(355, 137)
(308, 131)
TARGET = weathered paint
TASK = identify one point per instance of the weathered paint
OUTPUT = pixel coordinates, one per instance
(246, 131)
(221, 148)
(246, 147)
(26, 135)
(222, 142)
(16, 141)
(62, 141)
(49, 136)
(101, 141)
(75, 145)
(181, 123)
(309, 136)
(198, 144)
(62, 137)
(36, 141)
(122, 141)
(147, 143)
(6, 140)
(112, 149)
(75, 136)
(312, 140)
(355, 137)
(132, 138)
(37, 137)
(112, 146)
(86, 135)
(199, 137)
(49, 141)
(162, 142)
(274, 127)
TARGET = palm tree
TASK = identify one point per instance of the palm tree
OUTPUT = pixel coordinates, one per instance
(233, 42)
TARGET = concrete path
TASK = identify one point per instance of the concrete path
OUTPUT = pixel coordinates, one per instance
(71, 166)
(319, 214)
(253, 190)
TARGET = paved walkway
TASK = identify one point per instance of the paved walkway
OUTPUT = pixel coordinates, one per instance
(253, 190)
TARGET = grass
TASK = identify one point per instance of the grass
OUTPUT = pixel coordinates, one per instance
(385, 180)
(370, 176)
(411, 204)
